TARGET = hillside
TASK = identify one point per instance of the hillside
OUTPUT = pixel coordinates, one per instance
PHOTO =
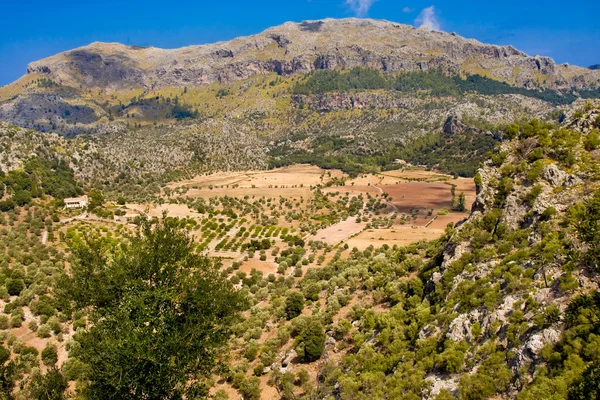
(104, 88)
(337, 209)
(503, 304)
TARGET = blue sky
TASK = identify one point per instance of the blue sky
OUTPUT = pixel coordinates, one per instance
(30, 30)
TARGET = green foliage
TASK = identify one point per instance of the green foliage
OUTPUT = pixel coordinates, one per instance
(592, 140)
(294, 304)
(586, 219)
(8, 372)
(311, 341)
(587, 387)
(492, 377)
(323, 81)
(535, 170)
(39, 176)
(460, 205)
(183, 111)
(160, 312)
(50, 386)
(434, 82)
(15, 286)
(49, 355)
(96, 199)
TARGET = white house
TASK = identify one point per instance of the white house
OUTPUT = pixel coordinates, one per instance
(76, 202)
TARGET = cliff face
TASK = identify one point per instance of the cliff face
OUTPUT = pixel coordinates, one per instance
(301, 48)
(521, 257)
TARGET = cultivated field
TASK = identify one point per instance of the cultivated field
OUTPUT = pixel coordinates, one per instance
(410, 201)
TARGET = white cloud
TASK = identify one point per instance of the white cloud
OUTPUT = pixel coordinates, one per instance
(407, 10)
(360, 7)
(428, 19)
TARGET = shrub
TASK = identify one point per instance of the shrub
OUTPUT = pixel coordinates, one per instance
(311, 342)
(259, 370)
(592, 140)
(44, 331)
(49, 355)
(294, 304)
(3, 322)
(74, 369)
(16, 321)
(535, 170)
(15, 286)
(587, 387)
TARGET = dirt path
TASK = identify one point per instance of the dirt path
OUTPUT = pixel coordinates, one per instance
(387, 202)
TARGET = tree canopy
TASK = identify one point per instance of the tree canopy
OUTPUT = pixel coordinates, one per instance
(160, 313)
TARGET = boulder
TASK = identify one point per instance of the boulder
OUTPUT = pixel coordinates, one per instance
(453, 125)
(288, 358)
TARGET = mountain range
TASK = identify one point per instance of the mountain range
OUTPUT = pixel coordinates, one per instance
(85, 89)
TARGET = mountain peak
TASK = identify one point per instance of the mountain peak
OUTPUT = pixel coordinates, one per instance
(300, 47)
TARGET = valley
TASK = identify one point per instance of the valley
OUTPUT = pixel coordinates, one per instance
(337, 209)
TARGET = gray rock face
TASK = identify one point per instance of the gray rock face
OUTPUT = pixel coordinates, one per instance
(288, 358)
(557, 177)
(301, 48)
(554, 175)
(453, 125)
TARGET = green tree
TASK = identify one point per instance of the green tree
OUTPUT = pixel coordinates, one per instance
(96, 199)
(294, 305)
(160, 313)
(8, 371)
(311, 341)
(15, 286)
(587, 222)
(49, 355)
(592, 140)
(587, 387)
(461, 205)
(50, 386)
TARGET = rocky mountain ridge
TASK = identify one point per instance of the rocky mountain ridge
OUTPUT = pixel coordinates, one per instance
(301, 48)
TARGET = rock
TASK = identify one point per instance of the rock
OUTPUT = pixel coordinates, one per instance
(513, 210)
(460, 328)
(453, 125)
(554, 175)
(537, 341)
(439, 383)
(288, 358)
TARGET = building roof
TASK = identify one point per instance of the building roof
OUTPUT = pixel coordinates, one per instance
(76, 199)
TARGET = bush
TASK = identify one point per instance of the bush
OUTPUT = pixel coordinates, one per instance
(74, 369)
(294, 305)
(50, 386)
(592, 140)
(49, 355)
(587, 387)
(16, 321)
(15, 286)
(44, 331)
(535, 170)
(259, 370)
(3, 322)
(311, 342)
